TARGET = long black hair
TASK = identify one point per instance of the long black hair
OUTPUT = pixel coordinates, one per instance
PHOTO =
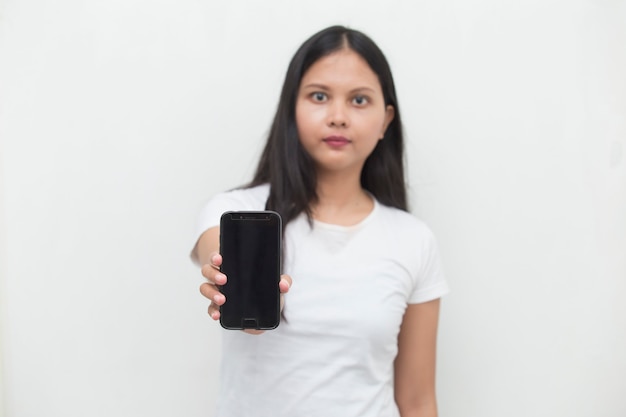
(289, 169)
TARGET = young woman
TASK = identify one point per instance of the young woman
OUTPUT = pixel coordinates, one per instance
(358, 337)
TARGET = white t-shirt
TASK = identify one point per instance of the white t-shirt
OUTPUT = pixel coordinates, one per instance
(333, 353)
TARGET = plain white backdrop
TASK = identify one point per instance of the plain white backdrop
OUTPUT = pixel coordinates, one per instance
(118, 119)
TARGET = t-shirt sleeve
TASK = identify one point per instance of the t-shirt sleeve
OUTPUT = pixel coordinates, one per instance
(430, 281)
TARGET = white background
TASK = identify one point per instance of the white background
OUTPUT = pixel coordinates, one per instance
(119, 118)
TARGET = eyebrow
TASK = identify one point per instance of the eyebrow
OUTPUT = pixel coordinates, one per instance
(326, 88)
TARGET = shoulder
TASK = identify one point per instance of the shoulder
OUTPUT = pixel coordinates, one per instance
(404, 224)
(253, 198)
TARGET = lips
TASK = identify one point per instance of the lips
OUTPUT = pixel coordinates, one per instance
(336, 141)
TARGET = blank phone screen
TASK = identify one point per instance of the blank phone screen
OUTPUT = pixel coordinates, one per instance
(250, 245)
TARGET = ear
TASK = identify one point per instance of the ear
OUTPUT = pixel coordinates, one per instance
(390, 112)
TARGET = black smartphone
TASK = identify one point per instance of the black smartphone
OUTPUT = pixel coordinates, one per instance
(250, 245)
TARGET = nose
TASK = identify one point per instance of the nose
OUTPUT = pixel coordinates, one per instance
(337, 115)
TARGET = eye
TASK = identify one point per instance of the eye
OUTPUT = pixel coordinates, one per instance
(319, 96)
(360, 100)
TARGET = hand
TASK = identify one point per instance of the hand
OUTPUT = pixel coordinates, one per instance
(214, 277)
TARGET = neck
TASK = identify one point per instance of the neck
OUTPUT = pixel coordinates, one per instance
(341, 199)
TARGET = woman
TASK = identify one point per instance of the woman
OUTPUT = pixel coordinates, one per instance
(360, 320)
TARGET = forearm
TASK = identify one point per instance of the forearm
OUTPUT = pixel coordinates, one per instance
(419, 410)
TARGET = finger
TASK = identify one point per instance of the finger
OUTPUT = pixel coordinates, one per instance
(285, 283)
(216, 259)
(212, 293)
(214, 311)
(213, 275)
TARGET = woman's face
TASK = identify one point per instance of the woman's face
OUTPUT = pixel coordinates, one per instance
(340, 112)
